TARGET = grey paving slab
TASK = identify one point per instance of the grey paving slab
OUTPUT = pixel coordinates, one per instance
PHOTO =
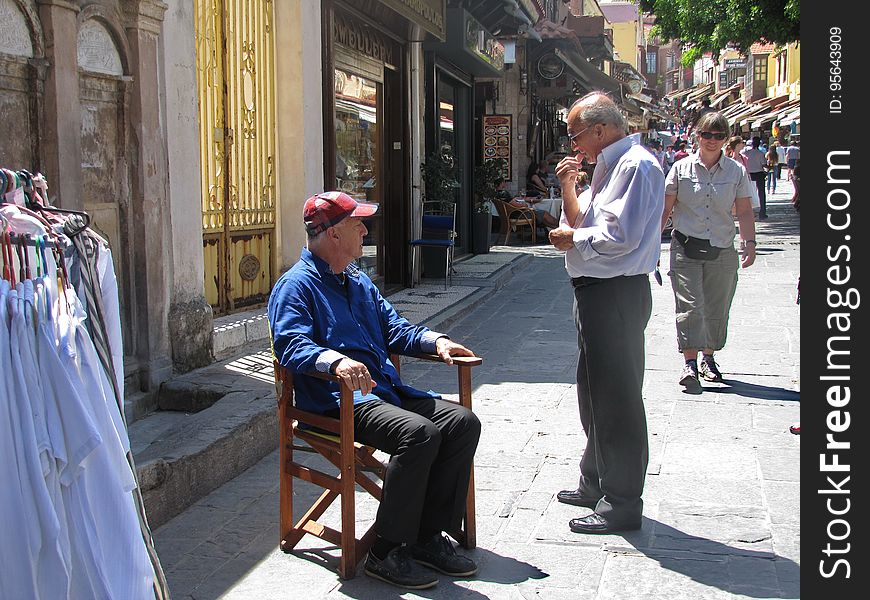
(721, 509)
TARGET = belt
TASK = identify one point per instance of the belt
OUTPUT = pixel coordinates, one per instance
(585, 281)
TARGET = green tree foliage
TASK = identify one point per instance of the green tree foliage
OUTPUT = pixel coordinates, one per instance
(711, 25)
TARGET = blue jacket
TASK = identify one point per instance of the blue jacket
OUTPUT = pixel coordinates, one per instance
(312, 313)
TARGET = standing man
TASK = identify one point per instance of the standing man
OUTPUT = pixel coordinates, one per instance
(326, 315)
(612, 239)
(756, 161)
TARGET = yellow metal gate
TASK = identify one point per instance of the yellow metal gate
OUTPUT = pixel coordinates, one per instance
(235, 73)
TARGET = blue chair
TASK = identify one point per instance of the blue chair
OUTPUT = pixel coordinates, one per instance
(438, 231)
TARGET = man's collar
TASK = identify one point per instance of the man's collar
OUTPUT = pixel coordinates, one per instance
(323, 268)
(610, 153)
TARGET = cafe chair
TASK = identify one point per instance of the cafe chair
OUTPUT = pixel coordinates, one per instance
(333, 439)
(438, 231)
(511, 217)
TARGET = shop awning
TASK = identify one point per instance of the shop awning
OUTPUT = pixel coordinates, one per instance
(651, 108)
(589, 76)
(743, 114)
(704, 89)
(792, 117)
(723, 95)
(778, 112)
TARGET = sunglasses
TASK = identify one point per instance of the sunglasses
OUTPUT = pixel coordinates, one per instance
(709, 135)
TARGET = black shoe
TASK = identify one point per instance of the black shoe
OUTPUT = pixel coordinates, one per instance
(577, 498)
(710, 370)
(595, 523)
(398, 569)
(689, 378)
(439, 554)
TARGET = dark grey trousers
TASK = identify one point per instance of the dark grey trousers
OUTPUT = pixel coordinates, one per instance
(611, 316)
(432, 444)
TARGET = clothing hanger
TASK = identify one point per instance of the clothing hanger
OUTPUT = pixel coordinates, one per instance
(8, 262)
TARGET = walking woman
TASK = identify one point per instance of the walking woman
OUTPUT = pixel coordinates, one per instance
(700, 191)
(772, 161)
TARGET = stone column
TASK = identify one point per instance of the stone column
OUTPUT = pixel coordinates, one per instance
(62, 143)
(149, 232)
(299, 109)
(190, 316)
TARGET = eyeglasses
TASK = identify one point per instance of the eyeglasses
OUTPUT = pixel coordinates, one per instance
(573, 136)
(708, 135)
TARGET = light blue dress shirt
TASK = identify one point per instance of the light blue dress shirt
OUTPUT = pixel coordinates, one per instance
(620, 232)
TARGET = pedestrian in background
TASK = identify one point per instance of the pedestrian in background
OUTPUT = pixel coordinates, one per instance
(772, 160)
(795, 176)
(756, 162)
(733, 147)
(792, 154)
(780, 159)
(669, 157)
(611, 245)
(536, 179)
(700, 191)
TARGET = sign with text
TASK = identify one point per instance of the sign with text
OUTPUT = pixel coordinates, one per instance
(497, 136)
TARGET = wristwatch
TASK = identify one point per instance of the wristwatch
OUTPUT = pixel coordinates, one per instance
(747, 242)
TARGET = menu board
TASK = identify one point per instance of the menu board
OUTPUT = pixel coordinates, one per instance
(497, 136)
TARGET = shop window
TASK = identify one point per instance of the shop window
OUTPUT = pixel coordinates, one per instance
(357, 153)
(651, 62)
(760, 68)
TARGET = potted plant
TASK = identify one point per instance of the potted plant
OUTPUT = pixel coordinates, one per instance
(440, 177)
(487, 177)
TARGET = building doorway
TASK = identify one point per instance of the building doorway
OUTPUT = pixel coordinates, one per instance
(235, 73)
(453, 141)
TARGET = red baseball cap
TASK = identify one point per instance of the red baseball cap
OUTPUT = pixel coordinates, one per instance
(328, 209)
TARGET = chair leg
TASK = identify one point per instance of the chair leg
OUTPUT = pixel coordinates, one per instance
(285, 479)
(446, 267)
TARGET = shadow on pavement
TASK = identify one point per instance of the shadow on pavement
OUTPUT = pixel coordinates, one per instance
(494, 568)
(749, 573)
(753, 390)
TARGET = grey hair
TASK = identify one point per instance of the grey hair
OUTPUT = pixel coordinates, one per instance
(600, 109)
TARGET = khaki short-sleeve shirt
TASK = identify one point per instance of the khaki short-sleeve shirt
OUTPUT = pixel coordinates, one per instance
(705, 197)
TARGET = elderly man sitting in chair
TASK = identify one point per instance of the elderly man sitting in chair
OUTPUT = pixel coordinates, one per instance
(326, 315)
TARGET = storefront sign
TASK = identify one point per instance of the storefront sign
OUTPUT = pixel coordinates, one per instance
(363, 40)
(497, 136)
(428, 14)
(735, 63)
(481, 43)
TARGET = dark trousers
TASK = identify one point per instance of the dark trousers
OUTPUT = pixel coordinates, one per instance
(759, 179)
(432, 444)
(611, 316)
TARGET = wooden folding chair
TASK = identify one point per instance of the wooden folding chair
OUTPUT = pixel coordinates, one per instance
(353, 461)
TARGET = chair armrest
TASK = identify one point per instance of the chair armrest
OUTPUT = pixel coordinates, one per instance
(468, 361)
(524, 211)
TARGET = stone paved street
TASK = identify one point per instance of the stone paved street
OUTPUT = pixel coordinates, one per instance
(722, 510)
